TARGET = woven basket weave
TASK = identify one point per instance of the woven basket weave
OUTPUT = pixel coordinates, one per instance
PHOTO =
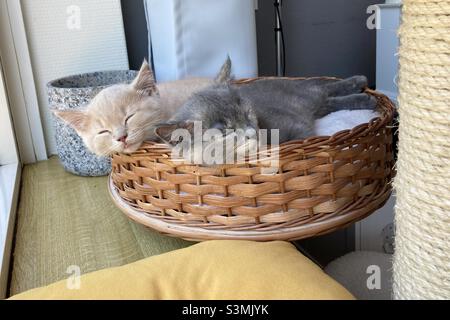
(323, 184)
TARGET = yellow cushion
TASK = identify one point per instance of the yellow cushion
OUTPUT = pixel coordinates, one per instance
(217, 270)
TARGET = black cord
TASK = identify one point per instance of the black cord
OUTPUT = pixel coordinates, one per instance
(281, 30)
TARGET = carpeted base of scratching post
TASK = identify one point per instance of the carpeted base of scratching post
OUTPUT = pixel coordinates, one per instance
(422, 256)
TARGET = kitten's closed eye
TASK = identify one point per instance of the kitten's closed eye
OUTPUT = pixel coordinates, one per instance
(129, 118)
(104, 132)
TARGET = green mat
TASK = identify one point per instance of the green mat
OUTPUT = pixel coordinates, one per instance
(65, 220)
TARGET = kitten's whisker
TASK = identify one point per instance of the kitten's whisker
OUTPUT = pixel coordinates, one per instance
(135, 138)
(139, 131)
(144, 126)
(109, 151)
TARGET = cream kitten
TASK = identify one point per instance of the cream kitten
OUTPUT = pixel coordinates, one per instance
(121, 117)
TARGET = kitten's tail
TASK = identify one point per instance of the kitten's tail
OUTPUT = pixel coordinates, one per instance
(224, 75)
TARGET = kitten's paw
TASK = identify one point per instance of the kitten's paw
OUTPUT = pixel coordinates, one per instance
(362, 101)
(349, 86)
(360, 82)
(372, 102)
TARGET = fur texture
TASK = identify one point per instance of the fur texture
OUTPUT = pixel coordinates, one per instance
(292, 106)
(120, 118)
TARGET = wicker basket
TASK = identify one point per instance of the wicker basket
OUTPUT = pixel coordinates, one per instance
(323, 184)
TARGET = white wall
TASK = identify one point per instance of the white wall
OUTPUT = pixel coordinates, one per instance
(9, 183)
(8, 152)
(60, 47)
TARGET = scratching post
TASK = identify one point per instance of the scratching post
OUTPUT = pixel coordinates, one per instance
(422, 257)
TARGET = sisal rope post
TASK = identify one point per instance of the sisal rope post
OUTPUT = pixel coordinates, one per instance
(422, 253)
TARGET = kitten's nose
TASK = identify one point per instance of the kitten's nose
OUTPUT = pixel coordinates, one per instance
(122, 139)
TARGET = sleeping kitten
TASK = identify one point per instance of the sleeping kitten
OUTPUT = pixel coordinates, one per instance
(292, 106)
(121, 117)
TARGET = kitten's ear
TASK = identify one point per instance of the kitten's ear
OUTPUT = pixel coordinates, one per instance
(224, 75)
(76, 119)
(166, 131)
(145, 82)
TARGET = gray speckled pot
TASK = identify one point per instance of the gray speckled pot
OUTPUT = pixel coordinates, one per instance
(74, 92)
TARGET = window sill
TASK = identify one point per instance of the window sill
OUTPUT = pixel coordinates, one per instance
(9, 185)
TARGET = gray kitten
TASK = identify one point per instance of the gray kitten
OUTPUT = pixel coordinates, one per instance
(292, 106)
